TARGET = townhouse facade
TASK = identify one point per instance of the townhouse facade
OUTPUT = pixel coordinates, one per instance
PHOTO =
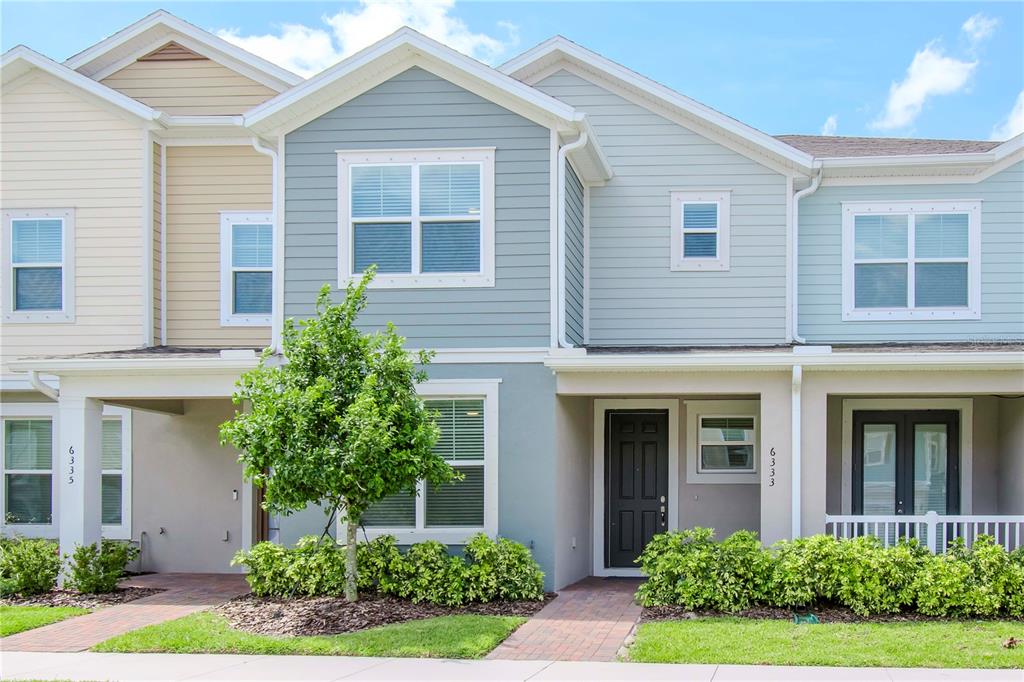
(647, 315)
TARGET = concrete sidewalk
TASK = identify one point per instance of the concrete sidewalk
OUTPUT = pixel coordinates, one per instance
(90, 666)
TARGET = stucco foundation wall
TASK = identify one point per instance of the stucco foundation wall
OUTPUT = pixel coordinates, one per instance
(1011, 459)
(182, 481)
(574, 471)
(985, 456)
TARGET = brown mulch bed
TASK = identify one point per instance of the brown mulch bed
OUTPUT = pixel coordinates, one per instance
(83, 601)
(825, 614)
(334, 615)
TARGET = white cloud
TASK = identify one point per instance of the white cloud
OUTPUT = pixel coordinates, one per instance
(979, 27)
(308, 50)
(1013, 124)
(830, 124)
(931, 73)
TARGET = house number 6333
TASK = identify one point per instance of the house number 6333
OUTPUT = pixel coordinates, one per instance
(771, 468)
(71, 465)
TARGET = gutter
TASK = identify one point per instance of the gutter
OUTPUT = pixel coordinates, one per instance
(795, 256)
(563, 152)
(277, 301)
(43, 387)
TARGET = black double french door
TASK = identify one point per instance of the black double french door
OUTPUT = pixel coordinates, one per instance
(906, 462)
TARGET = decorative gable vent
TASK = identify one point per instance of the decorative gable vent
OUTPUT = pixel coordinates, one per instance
(171, 52)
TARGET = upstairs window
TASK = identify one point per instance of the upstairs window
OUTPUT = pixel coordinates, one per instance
(700, 230)
(911, 260)
(247, 273)
(38, 265)
(424, 218)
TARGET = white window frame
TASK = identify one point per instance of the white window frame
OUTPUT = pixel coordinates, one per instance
(67, 266)
(455, 389)
(679, 199)
(971, 207)
(698, 409)
(416, 158)
(228, 318)
(50, 411)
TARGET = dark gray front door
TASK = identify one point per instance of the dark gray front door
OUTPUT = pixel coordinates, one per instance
(636, 483)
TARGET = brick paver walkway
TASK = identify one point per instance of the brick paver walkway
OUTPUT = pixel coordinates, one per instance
(587, 622)
(184, 593)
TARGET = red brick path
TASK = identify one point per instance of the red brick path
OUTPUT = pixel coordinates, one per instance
(184, 593)
(588, 622)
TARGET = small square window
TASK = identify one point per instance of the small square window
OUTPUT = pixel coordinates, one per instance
(700, 230)
(722, 441)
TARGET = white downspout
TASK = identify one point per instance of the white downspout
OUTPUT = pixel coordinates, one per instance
(277, 305)
(795, 449)
(43, 387)
(563, 152)
(795, 260)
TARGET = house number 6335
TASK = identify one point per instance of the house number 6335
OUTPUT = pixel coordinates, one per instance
(771, 468)
(71, 465)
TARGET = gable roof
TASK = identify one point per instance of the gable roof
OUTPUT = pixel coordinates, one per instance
(401, 50)
(830, 146)
(160, 28)
(21, 60)
(541, 59)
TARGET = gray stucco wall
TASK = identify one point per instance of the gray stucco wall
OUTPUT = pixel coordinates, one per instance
(1002, 263)
(417, 109)
(1011, 460)
(526, 437)
(182, 481)
(635, 298)
(574, 471)
(574, 247)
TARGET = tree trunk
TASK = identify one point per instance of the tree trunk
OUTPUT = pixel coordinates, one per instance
(351, 591)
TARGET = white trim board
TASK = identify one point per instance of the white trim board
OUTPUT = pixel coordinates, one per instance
(965, 406)
(601, 406)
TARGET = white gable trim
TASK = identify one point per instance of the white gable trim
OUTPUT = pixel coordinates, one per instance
(538, 62)
(128, 44)
(19, 61)
(401, 50)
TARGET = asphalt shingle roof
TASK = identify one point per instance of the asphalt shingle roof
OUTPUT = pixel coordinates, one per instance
(826, 147)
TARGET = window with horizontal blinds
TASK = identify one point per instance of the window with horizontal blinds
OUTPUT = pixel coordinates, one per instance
(251, 262)
(727, 443)
(386, 245)
(459, 503)
(461, 423)
(112, 458)
(37, 256)
(28, 471)
(451, 247)
(450, 189)
(700, 229)
(381, 191)
(394, 511)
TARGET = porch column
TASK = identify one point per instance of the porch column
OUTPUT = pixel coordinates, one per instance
(80, 471)
(776, 459)
(814, 439)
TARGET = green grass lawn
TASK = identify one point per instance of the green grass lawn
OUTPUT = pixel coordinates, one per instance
(20, 618)
(469, 636)
(971, 644)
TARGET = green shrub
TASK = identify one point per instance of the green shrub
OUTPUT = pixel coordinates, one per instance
(95, 569)
(691, 570)
(501, 569)
(377, 561)
(268, 569)
(312, 567)
(428, 573)
(980, 581)
(873, 579)
(28, 566)
(806, 571)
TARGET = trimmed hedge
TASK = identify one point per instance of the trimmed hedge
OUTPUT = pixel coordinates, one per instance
(28, 566)
(692, 570)
(490, 570)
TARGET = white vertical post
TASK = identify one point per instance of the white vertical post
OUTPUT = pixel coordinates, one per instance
(81, 421)
(931, 522)
(796, 434)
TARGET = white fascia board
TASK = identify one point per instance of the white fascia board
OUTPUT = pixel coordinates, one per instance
(419, 47)
(218, 46)
(22, 57)
(775, 361)
(115, 366)
(559, 46)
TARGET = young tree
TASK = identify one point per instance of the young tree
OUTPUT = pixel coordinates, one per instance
(338, 422)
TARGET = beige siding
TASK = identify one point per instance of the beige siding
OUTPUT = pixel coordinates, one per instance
(157, 230)
(201, 182)
(59, 149)
(197, 87)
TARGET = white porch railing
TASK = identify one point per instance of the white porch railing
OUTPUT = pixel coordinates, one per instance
(933, 530)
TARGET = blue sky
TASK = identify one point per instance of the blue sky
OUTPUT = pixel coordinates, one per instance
(915, 69)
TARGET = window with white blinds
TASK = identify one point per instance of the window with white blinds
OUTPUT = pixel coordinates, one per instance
(911, 260)
(247, 272)
(452, 511)
(700, 230)
(112, 481)
(28, 471)
(423, 218)
(38, 265)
